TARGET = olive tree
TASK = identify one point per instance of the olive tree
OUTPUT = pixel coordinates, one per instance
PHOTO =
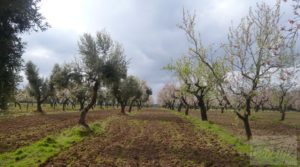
(61, 78)
(125, 90)
(138, 96)
(38, 87)
(102, 63)
(17, 17)
(146, 92)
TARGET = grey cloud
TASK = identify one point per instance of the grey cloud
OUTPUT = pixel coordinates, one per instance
(147, 30)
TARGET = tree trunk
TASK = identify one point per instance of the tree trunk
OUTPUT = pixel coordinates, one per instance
(139, 107)
(19, 105)
(282, 111)
(186, 104)
(203, 109)
(64, 106)
(123, 108)
(179, 107)
(85, 110)
(248, 106)
(130, 107)
(257, 108)
(81, 105)
(282, 115)
(187, 110)
(247, 127)
(246, 118)
(39, 106)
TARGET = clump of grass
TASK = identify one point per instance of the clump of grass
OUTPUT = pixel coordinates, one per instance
(38, 152)
(253, 118)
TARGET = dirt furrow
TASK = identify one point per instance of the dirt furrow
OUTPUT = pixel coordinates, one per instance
(21, 131)
(150, 138)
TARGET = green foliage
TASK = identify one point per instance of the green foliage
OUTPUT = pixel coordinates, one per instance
(90, 55)
(126, 89)
(38, 87)
(60, 76)
(102, 58)
(115, 67)
(16, 17)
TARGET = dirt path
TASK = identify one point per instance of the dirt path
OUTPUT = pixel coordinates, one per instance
(150, 138)
(21, 131)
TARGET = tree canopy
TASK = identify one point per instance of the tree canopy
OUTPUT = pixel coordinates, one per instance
(16, 17)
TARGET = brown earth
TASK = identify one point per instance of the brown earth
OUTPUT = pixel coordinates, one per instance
(264, 126)
(262, 123)
(150, 138)
(23, 130)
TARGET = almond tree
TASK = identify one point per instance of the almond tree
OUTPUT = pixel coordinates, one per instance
(295, 99)
(285, 83)
(293, 26)
(196, 78)
(167, 96)
(185, 98)
(252, 55)
(261, 98)
(255, 50)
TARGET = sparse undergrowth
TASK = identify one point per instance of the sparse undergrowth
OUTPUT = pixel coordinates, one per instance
(149, 138)
(38, 152)
(261, 155)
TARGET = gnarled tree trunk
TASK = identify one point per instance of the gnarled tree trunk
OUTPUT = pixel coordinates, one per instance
(131, 104)
(179, 107)
(39, 106)
(203, 109)
(85, 110)
(123, 106)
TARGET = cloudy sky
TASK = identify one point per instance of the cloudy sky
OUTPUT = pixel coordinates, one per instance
(147, 30)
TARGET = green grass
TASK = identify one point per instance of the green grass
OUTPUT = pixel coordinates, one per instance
(38, 152)
(258, 155)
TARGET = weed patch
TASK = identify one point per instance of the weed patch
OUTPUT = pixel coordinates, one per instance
(38, 152)
(260, 155)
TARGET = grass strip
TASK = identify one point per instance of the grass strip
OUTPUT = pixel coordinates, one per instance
(38, 152)
(257, 155)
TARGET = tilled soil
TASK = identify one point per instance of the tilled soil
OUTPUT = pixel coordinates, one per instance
(21, 131)
(265, 126)
(150, 138)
